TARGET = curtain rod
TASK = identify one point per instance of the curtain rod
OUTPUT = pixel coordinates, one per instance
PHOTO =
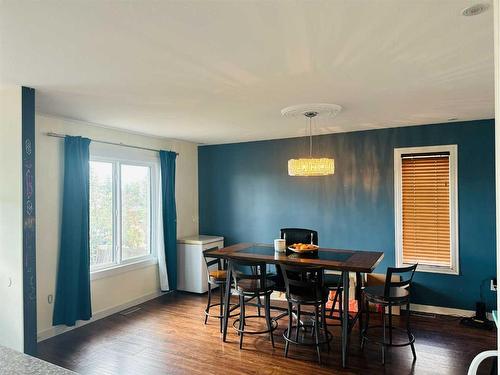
(57, 135)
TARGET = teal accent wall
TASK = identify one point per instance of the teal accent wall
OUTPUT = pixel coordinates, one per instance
(245, 194)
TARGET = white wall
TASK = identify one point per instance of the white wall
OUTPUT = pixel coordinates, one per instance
(11, 236)
(118, 290)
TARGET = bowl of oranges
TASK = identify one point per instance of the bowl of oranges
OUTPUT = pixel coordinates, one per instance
(303, 247)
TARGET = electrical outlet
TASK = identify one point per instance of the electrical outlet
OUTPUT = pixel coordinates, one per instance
(493, 285)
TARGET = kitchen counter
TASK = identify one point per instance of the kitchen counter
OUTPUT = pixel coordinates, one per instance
(16, 363)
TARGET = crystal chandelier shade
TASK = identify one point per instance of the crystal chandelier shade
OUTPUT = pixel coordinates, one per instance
(309, 167)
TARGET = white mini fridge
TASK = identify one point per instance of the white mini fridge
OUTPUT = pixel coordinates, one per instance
(191, 268)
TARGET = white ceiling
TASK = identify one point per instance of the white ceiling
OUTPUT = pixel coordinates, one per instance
(221, 71)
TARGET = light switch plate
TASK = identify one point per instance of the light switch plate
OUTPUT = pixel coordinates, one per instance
(493, 285)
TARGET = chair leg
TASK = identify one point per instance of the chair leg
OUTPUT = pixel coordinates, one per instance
(334, 302)
(341, 308)
(221, 310)
(383, 341)
(408, 330)
(367, 320)
(390, 324)
(298, 323)
(259, 303)
(359, 299)
(325, 326)
(207, 310)
(240, 326)
(242, 319)
(323, 315)
(267, 307)
(316, 332)
(289, 331)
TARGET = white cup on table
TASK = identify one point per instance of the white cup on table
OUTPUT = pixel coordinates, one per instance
(279, 245)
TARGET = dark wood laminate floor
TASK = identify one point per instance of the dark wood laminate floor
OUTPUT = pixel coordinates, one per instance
(167, 336)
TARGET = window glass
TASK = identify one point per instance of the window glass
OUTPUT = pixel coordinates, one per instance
(101, 214)
(135, 207)
(121, 211)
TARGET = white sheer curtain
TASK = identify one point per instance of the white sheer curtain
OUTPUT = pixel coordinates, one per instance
(160, 243)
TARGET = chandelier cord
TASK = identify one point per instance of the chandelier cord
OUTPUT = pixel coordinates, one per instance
(310, 138)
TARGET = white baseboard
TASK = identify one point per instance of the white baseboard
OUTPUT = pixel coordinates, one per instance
(443, 311)
(57, 330)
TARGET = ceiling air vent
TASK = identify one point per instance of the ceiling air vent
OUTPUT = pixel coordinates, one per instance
(474, 10)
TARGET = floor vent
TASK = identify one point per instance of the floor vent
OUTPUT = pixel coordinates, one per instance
(130, 311)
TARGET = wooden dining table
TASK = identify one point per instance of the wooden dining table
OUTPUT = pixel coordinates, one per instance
(346, 261)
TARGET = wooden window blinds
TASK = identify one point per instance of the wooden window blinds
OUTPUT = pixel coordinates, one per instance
(426, 236)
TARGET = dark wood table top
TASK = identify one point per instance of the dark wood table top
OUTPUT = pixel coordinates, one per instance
(331, 259)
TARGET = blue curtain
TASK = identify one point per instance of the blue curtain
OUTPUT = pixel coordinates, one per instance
(72, 300)
(167, 159)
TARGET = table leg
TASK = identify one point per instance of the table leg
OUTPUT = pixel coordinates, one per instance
(227, 305)
(345, 318)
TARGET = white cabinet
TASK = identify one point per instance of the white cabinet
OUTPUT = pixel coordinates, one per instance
(191, 268)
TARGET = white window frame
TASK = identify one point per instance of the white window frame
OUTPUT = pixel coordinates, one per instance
(118, 155)
(398, 206)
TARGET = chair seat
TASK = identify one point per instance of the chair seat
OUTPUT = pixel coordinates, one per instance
(307, 298)
(219, 275)
(332, 280)
(254, 286)
(279, 283)
(376, 294)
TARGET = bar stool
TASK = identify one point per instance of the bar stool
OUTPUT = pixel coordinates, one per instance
(216, 278)
(296, 235)
(251, 282)
(305, 286)
(291, 236)
(392, 293)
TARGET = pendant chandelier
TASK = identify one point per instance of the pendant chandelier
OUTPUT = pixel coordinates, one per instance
(311, 166)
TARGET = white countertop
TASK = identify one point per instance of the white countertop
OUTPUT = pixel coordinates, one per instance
(200, 239)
